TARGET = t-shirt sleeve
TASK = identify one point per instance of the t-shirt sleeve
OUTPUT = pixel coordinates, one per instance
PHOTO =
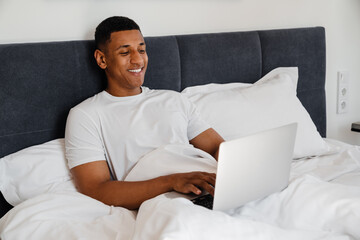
(82, 139)
(196, 123)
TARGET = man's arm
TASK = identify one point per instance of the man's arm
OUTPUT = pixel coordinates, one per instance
(93, 179)
(208, 141)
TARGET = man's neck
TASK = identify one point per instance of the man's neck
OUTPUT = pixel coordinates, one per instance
(123, 92)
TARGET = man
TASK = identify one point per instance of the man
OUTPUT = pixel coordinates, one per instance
(108, 133)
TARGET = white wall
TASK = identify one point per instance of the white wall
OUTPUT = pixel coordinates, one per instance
(48, 20)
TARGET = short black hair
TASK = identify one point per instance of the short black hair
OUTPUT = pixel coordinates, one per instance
(112, 24)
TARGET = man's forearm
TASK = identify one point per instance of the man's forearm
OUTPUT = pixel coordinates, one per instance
(130, 194)
(208, 141)
(93, 179)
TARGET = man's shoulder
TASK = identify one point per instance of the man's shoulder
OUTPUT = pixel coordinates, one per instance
(89, 104)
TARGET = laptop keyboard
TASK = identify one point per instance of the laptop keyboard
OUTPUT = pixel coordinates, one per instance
(205, 201)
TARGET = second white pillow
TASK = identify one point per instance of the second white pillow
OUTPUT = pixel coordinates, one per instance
(270, 102)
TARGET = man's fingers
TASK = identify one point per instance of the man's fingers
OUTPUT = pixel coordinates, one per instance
(192, 182)
(207, 187)
(194, 189)
(205, 181)
(211, 179)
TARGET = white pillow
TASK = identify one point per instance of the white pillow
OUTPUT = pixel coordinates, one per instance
(270, 102)
(35, 170)
(212, 87)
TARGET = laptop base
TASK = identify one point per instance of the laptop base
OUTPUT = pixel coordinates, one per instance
(205, 201)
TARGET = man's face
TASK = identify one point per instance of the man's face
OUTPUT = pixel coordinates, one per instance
(126, 61)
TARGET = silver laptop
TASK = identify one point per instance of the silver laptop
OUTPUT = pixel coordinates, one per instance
(253, 167)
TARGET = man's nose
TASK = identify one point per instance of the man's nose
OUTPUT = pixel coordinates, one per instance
(136, 58)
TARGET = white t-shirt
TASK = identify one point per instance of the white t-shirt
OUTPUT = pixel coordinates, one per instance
(121, 130)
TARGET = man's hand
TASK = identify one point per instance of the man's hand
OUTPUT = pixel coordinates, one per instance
(193, 182)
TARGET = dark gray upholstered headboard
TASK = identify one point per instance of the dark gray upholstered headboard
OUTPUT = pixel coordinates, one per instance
(40, 82)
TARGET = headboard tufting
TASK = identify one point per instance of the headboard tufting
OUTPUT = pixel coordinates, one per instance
(40, 82)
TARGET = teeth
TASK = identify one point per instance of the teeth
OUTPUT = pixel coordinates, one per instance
(135, 70)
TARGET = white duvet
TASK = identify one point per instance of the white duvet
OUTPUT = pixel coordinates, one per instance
(322, 201)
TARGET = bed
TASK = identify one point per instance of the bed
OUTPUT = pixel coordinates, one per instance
(240, 82)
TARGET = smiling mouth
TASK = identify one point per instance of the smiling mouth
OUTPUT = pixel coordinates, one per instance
(135, 70)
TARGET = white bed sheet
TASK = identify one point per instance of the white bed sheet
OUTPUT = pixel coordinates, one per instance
(321, 202)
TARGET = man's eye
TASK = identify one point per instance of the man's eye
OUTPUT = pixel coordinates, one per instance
(142, 51)
(124, 53)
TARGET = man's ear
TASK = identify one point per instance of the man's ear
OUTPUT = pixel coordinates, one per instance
(100, 59)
